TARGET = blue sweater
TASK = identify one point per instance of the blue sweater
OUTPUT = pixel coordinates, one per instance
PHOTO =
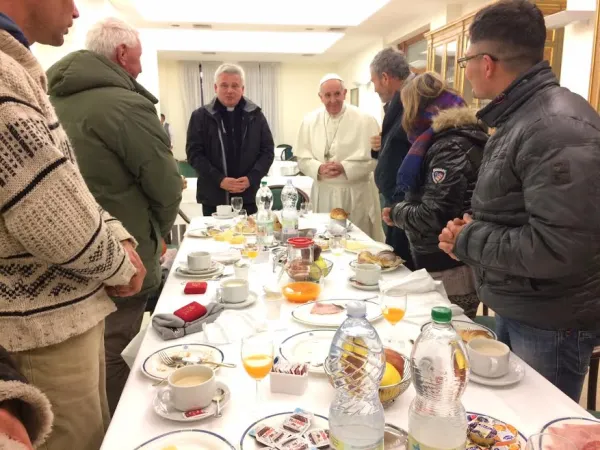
(7, 24)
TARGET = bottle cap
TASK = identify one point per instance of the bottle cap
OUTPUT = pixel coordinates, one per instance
(300, 242)
(263, 183)
(356, 309)
(441, 314)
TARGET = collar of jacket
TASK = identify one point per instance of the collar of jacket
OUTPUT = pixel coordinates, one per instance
(9, 25)
(213, 109)
(519, 92)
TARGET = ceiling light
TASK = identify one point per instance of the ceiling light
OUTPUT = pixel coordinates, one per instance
(164, 39)
(305, 12)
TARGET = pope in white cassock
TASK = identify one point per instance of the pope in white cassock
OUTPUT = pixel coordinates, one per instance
(333, 148)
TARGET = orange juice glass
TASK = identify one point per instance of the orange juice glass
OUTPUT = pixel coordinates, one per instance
(301, 291)
(393, 306)
(393, 315)
(258, 353)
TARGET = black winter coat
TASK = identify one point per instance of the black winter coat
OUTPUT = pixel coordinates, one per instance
(449, 174)
(535, 241)
(206, 152)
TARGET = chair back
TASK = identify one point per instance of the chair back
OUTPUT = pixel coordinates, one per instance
(278, 205)
(186, 169)
(286, 152)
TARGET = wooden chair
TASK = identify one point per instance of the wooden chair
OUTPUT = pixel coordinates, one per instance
(276, 190)
(177, 233)
(593, 380)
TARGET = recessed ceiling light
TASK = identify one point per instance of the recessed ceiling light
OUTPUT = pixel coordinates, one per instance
(307, 12)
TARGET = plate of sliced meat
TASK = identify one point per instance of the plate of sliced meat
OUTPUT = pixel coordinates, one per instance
(583, 432)
(331, 313)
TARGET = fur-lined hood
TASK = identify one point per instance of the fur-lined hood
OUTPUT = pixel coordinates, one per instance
(455, 118)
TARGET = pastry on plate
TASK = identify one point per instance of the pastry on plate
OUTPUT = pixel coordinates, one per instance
(468, 335)
(338, 214)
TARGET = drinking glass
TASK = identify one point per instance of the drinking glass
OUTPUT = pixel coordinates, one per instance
(393, 305)
(237, 203)
(549, 441)
(243, 215)
(257, 357)
(336, 245)
(251, 251)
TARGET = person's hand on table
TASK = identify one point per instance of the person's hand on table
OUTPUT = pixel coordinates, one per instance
(11, 425)
(449, 234)
(376, 143)
(135, 284)
(386, 216)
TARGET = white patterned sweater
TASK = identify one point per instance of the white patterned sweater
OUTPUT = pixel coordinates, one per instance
(58, 248)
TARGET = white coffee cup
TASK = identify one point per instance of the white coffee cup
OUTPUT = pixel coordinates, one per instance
(367, 274)
(224, 210)
(199, 261)
(241, 270)
(488, 358)
(190, 387)
(233, 291)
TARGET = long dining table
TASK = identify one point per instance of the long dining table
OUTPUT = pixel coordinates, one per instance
(528, 405)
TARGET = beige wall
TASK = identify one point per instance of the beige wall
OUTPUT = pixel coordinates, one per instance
(170, 104)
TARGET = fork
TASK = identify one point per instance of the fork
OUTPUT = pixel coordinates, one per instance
(166, 359)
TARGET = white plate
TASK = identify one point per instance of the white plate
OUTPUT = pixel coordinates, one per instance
(354, 262)
(225, 216)
(311, 347)
(228, 257)
(516, 372)
(462, 325)
(302, 313)
(197, 276)
(153, 368)
(170, 413)
(556, 427)
(200, 233)
(249, 301)
(362, 287)
(276, 420)
(215, 266)
(188, 440)
(370, 246)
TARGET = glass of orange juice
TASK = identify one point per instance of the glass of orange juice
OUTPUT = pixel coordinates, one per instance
(257, 357)
(393, 305)
(251, 251)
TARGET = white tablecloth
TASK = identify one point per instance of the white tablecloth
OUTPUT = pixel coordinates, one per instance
(528, 405)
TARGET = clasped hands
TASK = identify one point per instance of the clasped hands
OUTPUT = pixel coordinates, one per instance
(331, 169)
(135, 284)
(235, 185)
(450, 233)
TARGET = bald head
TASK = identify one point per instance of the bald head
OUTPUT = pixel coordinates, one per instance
(333, 93)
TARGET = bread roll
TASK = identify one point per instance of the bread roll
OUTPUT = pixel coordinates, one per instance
(338, 214)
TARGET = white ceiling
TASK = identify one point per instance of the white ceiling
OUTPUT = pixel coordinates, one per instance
(271, 40)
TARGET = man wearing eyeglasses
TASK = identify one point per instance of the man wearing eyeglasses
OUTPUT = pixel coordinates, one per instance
(534, 237)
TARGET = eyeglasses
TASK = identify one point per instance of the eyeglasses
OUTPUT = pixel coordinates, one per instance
(462, 62)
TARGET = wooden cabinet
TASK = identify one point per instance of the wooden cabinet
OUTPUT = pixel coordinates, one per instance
(595, 75)
(448, 44)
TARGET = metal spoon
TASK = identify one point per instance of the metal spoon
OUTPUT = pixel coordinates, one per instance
(219, 395)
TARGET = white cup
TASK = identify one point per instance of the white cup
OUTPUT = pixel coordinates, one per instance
(488, 358)
(199, 260)
(233, 291)
(190, 387)
(224, 210)
(241, 270)
(367, 274)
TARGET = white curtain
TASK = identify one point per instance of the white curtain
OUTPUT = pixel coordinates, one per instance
(209, 69)
(191, 87)
(268, 96)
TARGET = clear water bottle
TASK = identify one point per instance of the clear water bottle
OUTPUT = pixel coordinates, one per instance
(289, 194)
(264, 216)
(440, 371)
(289, 220)
(356, 364)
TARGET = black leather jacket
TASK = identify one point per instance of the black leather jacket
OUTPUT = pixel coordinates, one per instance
(535, 241)
(449, 174)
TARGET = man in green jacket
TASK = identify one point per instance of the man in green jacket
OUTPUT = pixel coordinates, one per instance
(124, 156)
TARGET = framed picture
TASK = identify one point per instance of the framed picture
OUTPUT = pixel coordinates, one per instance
(354, 96)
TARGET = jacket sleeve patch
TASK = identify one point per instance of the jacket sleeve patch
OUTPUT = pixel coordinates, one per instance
(438, 175)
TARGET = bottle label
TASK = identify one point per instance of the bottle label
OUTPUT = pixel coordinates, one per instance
(336, 444)
(413, 444)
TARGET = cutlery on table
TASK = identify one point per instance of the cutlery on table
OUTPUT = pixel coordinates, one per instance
(218, 398)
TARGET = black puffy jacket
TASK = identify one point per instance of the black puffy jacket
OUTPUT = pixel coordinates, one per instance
(206, 152)
(449, 173)
(535, 240)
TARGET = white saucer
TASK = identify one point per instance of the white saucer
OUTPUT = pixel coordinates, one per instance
(198, 276)
(362, 287)
(225, 216)
(198, 233)
(215, 266)
(170, 413)
(249, 301)
(227, 257)
(516, 372)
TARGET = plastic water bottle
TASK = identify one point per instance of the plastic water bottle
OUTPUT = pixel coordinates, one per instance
(289, 194)
(356, 364)
(264, 216)
(440, 371)
(289, 221)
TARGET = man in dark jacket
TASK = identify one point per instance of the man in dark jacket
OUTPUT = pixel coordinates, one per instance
(534, 238)
(125, 159)
(229, 143)
(389, 72)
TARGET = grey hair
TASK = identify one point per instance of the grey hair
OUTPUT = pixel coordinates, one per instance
(392, 62)
(105, 36)
(232, 69)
